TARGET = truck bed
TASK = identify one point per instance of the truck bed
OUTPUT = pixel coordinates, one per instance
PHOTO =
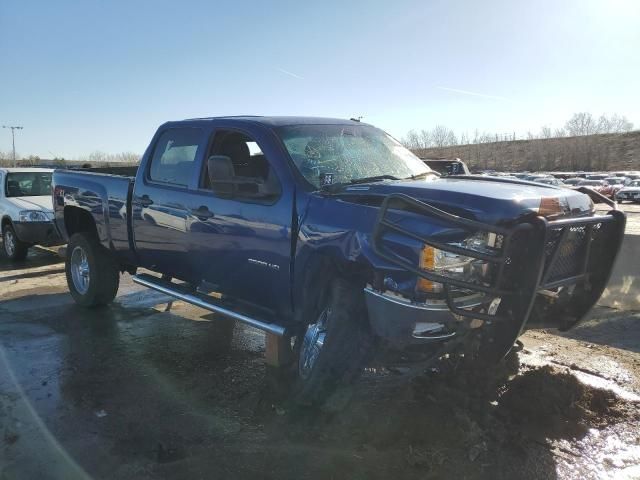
(122, 171)
(106, 197)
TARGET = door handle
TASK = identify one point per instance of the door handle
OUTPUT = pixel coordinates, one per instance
(144, 201)
(202, 213)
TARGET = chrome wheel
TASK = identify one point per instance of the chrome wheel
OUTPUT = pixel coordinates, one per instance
(9, 243)
(80, 272)
(312, 344)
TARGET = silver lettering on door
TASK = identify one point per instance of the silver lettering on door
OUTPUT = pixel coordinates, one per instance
(262, 263)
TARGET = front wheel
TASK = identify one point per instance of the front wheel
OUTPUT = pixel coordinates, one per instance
(92, 275)
(335, 347)
(14, 249)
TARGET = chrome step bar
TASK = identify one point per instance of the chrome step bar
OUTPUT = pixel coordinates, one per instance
(163, 286)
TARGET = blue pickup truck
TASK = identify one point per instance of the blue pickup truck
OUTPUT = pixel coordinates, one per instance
(332, 234)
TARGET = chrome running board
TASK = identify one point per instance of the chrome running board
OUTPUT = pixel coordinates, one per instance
(172, 290)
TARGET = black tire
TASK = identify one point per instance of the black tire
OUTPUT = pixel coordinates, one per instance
(14, 249)
(492, 346)
(101, 287)
(489, 345)
(346, 348)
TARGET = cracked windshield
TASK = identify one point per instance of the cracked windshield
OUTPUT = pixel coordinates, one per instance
(348, 154)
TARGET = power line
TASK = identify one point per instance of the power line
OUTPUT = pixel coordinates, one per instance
(13, 140)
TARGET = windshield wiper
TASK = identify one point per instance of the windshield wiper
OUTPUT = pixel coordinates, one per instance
(421, 175)
(375, 178)
(334, 187)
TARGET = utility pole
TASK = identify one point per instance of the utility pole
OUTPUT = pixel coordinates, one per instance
(13, 140)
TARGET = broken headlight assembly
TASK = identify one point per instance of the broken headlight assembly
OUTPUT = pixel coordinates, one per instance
(458, 266)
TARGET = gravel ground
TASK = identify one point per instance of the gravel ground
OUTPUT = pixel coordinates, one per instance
(633, 217)
(133, 391)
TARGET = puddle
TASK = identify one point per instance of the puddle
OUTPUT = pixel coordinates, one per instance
(610, 453)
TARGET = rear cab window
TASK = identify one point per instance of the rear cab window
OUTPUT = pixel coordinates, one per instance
(174, 156)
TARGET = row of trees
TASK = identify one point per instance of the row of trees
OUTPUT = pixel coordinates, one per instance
(97, 157)
(579, 124)
(103, 157)
(6, 160)
(581, 152)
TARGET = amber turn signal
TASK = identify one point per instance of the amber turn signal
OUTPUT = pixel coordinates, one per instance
(427, 262)
(549, 206)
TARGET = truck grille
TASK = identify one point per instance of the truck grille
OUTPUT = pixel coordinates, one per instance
(581, 240)
(570, 257)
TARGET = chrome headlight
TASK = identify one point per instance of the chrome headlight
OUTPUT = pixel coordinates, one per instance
(456, 266)
(33, 216)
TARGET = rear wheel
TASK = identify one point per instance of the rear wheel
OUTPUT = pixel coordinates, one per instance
(14, 249)
(335, 347)
(92, 275)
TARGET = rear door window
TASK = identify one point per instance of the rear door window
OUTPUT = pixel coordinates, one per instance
(174, 156)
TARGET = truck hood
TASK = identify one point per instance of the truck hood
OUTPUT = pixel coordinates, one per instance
(489, 201)
(41, 203)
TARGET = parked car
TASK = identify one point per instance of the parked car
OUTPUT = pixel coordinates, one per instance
(536, 177)
(549, 181)
(616, 184)
(597, 176)
(600, 186)
(26, 211)
(573, 181)
(447, 166)
(330, 233)
(630, 192)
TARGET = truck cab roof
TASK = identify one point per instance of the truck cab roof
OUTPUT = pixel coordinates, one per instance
(272, 121)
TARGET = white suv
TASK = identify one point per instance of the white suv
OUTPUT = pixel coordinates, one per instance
(26, 210)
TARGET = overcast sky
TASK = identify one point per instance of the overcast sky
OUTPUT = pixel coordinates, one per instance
(94, 75)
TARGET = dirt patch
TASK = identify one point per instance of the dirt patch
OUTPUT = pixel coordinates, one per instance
(556, 403)
(456, 422)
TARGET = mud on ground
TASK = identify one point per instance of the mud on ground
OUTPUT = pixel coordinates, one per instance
(133, 391)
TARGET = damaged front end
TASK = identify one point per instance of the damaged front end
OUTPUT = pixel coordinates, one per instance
(478, 276)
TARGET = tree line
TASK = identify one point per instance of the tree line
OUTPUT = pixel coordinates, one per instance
(96, 157)
(580, 124)
(583, 152)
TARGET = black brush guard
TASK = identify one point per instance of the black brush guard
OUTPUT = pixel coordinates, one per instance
(536, 255)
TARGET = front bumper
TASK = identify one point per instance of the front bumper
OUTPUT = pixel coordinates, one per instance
(402, 322)
(538, 256)
(40, 233)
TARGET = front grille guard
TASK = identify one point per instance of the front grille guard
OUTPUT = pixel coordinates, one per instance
(541, 264)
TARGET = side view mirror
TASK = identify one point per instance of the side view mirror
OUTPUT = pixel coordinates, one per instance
(221, 175)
